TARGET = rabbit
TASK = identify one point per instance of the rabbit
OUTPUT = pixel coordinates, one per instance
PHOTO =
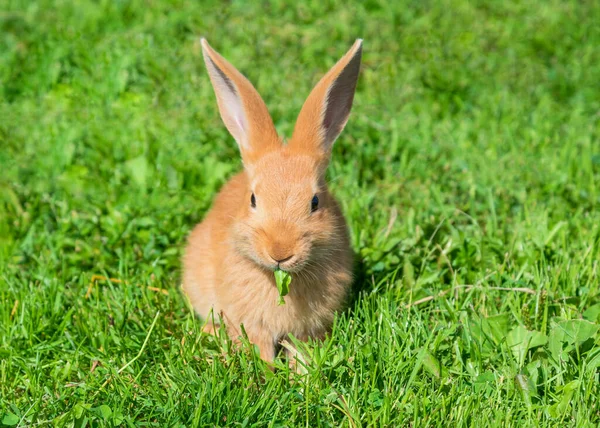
(275, 214)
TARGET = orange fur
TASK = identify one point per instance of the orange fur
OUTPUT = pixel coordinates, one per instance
(230, 257)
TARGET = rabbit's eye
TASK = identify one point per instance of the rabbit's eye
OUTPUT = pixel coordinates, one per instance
(253, 201)
(314, 204)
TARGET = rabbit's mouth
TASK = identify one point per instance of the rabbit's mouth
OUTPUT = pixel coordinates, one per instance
(290, 264)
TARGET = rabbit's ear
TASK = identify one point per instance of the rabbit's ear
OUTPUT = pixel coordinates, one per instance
(328, 106)
(242, 109)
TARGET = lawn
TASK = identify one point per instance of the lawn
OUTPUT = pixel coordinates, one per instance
(469, 174)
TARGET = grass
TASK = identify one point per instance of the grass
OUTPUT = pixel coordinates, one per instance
(469, 174)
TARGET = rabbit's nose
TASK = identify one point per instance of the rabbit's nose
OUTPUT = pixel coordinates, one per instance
(281, 252)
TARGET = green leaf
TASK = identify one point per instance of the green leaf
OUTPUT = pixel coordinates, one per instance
(10, 419)
(103, 411)
(565, 335)
(283, 280)
(408, 274)
(520, 340)
(375, 398)
(592, 313)
(497, 326)
(593, 364)
(526, 387)
(433, 366)
(485, 377)
(484, 382)
(555, 343)
(139, 170)
(78, 410)
(578, 331)
(558, 409)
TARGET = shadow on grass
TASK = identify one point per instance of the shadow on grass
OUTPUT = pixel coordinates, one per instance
(363, 281)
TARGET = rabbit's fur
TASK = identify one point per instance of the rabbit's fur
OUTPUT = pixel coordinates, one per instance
(265, 216)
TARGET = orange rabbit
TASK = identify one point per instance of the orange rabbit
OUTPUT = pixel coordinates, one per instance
(276, 213)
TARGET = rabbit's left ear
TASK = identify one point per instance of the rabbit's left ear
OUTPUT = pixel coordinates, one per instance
(328, 106)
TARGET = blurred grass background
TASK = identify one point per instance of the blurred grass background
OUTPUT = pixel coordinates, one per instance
(468, 173)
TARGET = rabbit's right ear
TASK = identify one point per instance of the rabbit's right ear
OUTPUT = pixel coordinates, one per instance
(242, 109)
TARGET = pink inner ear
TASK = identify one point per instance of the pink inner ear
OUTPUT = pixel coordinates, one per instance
(230, 104)
(236, 110)
(234, 115)
(241, 121)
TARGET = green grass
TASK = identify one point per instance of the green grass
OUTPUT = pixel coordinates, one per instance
(469, 174)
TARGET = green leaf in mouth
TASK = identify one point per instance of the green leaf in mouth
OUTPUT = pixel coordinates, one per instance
(283, 280)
